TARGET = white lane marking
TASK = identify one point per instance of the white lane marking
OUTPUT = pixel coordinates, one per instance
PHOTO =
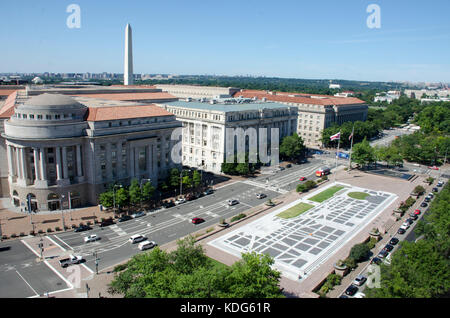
(30, 248)
(90, 270)
(64, 250)
(53, 292)
(27, 283)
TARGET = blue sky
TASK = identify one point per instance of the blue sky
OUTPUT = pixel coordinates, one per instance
(302, 39)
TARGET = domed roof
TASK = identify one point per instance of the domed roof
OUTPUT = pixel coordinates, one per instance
(52, 101)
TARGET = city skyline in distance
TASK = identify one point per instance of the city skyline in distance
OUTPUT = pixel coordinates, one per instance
(254, 40)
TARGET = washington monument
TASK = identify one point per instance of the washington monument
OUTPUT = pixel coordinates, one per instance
(128, 67)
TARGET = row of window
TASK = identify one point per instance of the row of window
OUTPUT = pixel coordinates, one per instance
(41, 117)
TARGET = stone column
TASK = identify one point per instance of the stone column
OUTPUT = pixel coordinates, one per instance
(18, 168)
(108, 162)
(79, 159)
(58, 164)
(155, 162)
(64, 163)
(43, 164)
(131, 171)
(119, 160)
(148, 158)
(23, 157)
(137, 171)
(36, 165)
(21, 167)
(10, 156)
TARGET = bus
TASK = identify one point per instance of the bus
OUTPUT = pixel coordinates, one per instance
(322, 171)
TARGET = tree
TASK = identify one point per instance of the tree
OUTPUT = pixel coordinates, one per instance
(188, 256)
(122, 197)
(363, 153)
(196, 178)
(359, 252)
(148, 190)
(292, 147)
(135, 192)
(174, 178)
(106, 199)
(187, 182)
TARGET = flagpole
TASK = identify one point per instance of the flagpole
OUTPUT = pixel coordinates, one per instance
(351, 149)
(337, 154)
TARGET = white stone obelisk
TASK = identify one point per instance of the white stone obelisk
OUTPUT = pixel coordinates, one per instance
(128, 67)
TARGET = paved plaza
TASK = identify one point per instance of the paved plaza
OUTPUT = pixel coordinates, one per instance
(299, 245)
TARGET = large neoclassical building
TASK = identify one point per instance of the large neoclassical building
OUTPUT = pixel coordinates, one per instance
(58, 147)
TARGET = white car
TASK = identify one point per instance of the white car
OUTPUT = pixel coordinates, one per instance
(405, 226)
(180, 201)
(359, 295)
(91, 238)
(233, 202)
(359, 280)
(146, 245)
(137, 238)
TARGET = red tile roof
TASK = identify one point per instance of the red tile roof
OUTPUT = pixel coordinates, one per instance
(131, 96)
(125, 112)
(8, 107)
(300, 98)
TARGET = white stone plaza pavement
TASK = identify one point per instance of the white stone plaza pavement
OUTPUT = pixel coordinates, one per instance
(300, 245)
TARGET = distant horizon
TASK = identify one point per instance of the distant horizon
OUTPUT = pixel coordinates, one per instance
(294, 39)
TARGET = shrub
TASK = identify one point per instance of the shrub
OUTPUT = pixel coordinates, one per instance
(40, 231)
(4, 237)
(81, 224)
(310, 184)
(120, 267)
(57, 228)
(73, 226)
(49, 230)
(419, 190)
(209, 230)
(22, 234)
(359, 252)
(372, 243)
(238, 217)
(350, 262)
(301, 188)
(88, 223)
(32, 233)
(334, 279)
(13, 235)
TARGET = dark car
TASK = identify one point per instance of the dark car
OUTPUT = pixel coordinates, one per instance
(410, 221)
(424, 204)
(388, 247)
(197, 220)
(106, 222)
(427, 199)
(383, 253)
(413, 216)
(394, 241)
(288, 165)
(401, 231)
(124, 218)
(435, 189)
(351, 290)
(209, 191)
(190, 197)
(375, 260)
(168, 204)
(82, 228)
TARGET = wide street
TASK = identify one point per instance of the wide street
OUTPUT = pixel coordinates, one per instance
(162, 226)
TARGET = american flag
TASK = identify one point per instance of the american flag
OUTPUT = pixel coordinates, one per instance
(337, 136)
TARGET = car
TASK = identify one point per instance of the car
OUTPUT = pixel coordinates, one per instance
(146, 245)
(71, 260)
(359, 295)
(413, 216)
(388, 247)
(351, 290)
(82, 228)
(424, 204)
(417, 212)
(288, 165)
(375, 260)
(427, 199)
(190, 197)
(433, 168)
(382, 254)
(106, 222)
(435, 189)
(282, 168)
(401, 231)
(137, 238)
(197, 220)
(405, 226)
(168, 204)
(394, 241)
(261, 195)
(343, 296)
(431, 195)
(208, 192)
(409, 221)
(91, 238)
(138, 214)
(302, 179)
(232, 202)
(439, 184)
(180, 201)
(359, 280)
(124, 218)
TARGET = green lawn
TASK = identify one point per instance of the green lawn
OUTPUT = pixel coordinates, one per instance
(325, 195)
(358, 195)
(217, 263)
(295, 211)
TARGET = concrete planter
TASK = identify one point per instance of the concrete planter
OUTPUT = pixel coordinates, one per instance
(375, 234)
(340, 270)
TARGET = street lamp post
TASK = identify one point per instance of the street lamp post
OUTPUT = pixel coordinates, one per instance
(62, 214)
(96, 262)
